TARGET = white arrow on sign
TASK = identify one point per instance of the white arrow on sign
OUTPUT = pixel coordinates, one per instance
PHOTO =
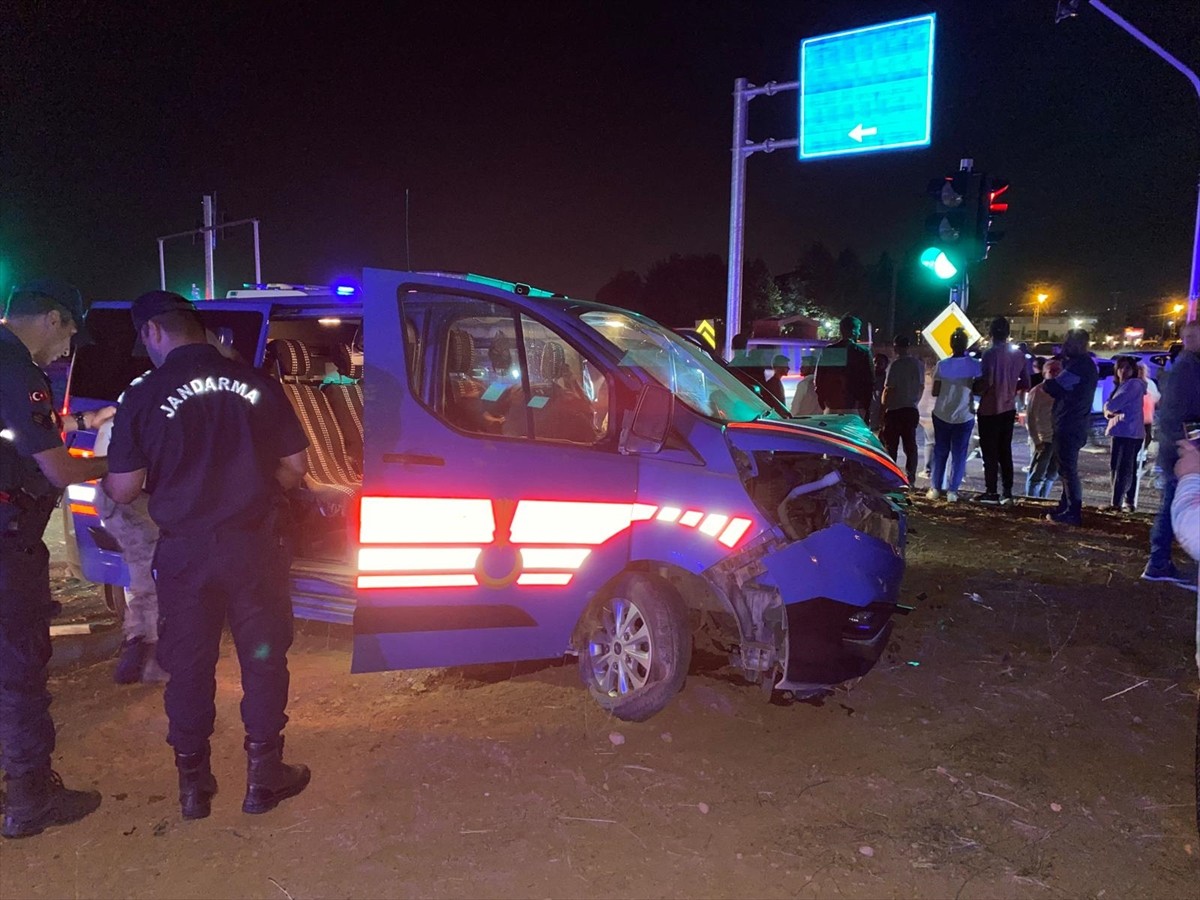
(859, 132)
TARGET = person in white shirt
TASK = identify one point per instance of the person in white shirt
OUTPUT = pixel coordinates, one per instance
(953, 418)
(804, 401)
(1185, 514)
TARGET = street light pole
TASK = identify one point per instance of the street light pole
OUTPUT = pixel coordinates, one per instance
(1069, 8)
(1037, 317)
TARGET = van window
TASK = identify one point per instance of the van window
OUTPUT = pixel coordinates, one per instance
(487, 370)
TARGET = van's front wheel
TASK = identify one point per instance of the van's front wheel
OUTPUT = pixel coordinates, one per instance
(637, 648)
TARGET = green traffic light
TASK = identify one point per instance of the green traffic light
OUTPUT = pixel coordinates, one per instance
(935, 259)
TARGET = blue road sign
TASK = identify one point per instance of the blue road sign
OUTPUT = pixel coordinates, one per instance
(867, 90)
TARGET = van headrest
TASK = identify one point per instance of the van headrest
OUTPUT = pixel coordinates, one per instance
(349, 361)
(294, 358)
(461, 352)
(554, 361)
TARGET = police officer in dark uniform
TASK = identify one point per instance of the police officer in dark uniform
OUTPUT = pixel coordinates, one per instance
(39, 321)
(216, 444)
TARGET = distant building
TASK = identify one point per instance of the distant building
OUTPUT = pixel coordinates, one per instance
(1050, 328)
(785, 326)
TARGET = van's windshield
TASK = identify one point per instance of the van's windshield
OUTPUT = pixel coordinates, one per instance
(680, 366)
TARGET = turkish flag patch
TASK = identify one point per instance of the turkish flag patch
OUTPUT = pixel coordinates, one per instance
(38, 397)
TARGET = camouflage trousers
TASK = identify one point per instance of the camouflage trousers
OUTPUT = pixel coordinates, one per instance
(135, 531)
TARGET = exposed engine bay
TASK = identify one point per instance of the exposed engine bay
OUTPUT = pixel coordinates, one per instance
(814, 597)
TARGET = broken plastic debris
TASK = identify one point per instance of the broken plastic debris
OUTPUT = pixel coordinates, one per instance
(1056, 807)
(913, 662)
(703, 807)
(866, 851)
(975, 598)
(616, 738)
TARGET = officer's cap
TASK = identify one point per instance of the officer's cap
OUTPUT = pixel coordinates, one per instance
(157, 303)
(65, 295)
(60, 293)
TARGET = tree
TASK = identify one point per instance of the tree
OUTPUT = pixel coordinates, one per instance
(761, 295)
(818, 270)
(681, 289)
(625, 289)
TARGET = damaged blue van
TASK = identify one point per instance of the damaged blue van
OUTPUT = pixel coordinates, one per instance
(499, 473)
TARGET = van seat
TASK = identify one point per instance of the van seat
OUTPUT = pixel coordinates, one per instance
(464, 392)
(328, 463)
(346, 401)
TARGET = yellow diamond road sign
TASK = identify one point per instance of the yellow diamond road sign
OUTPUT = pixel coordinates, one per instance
(707, 329)
(937, 333)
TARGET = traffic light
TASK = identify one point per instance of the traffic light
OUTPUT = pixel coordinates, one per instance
(953, 228)
(993, 202)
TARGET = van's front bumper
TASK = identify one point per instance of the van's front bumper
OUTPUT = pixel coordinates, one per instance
(840, 589)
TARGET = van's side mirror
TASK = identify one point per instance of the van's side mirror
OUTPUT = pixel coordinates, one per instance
(647, 430)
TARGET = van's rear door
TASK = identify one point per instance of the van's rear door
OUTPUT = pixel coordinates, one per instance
(495, 503)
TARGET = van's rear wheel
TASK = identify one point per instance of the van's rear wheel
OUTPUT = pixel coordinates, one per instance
(637, 648)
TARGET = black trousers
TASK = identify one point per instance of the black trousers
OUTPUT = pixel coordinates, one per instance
(26, 729)
(900, 426)
(1067, 445)
(204, 580)
(1123, 463)
(995, 442)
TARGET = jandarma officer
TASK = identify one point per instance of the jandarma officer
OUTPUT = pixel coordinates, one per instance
(215, 444)
(39, 321)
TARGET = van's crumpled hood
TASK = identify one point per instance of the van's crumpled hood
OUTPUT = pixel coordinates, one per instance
(846, 436)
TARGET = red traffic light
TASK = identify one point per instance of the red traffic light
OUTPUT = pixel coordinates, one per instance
(997, 189)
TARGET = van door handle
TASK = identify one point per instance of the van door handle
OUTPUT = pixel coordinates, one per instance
(413, 459)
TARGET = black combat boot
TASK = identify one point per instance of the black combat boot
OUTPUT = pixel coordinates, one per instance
(38, 800)
(197, 786)
(269, 780)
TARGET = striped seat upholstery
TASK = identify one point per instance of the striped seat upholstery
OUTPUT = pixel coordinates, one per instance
(464, 392)
(346, 401)
(326, 456)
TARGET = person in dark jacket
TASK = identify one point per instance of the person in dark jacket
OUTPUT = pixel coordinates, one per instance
(1073, 391)
(845, 381)
(1124, 413)
(39, 321)
(780, 366)
(1180, 404)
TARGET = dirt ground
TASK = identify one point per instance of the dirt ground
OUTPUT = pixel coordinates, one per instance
(1028, 734)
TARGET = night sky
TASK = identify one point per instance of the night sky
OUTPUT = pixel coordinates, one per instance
(558, 143)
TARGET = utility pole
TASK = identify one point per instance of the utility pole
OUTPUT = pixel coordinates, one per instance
(208, 232)
(1067, 9)
(210, 244)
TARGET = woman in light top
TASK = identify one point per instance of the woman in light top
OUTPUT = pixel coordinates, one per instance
(953, 417)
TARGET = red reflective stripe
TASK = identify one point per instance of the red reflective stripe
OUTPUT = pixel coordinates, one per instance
(669, 514)
(416, 581)
(548, 578)
(553, 557)
(691, 518)
(418, 559)
(643, 511)
(426, 520)
(713, 523)
(733, 532)
(569, 521)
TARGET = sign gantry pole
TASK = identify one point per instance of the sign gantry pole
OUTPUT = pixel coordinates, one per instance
(860, 91)
(743, 93)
